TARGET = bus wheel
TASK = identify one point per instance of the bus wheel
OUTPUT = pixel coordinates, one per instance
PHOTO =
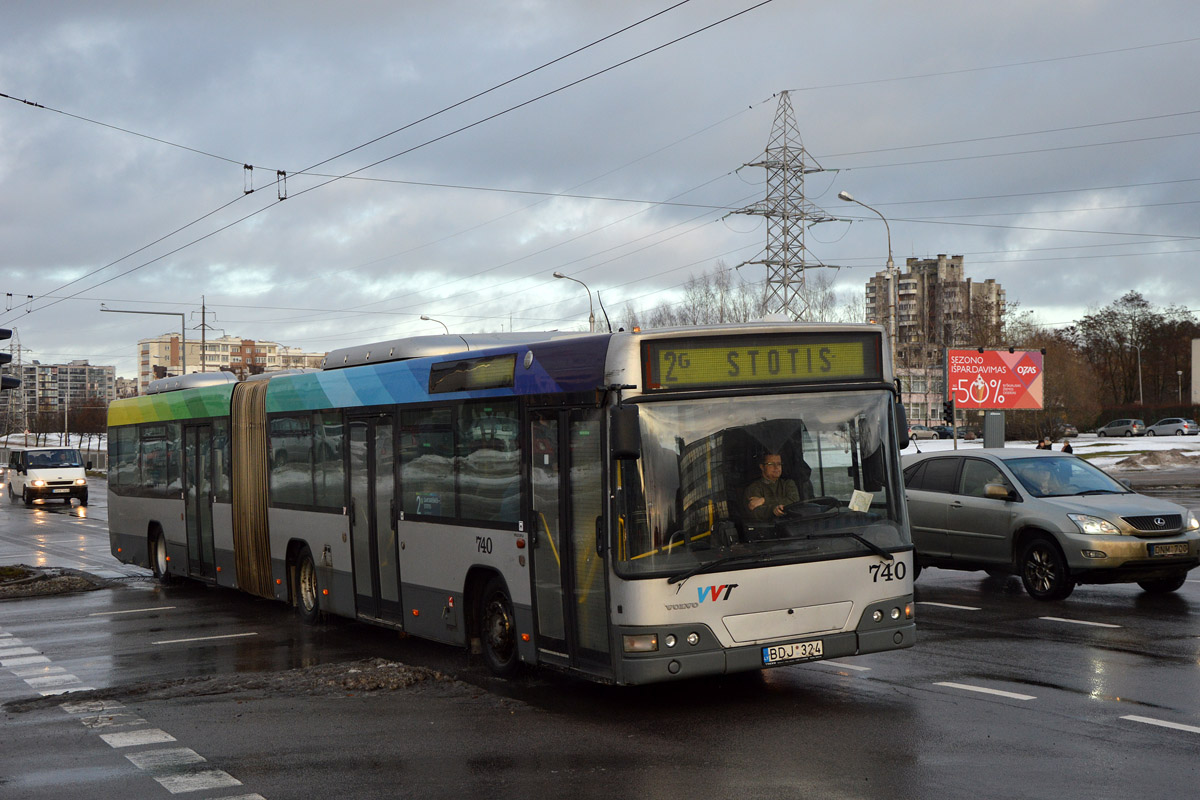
(158, 558)
(498, 629)
(307, 593)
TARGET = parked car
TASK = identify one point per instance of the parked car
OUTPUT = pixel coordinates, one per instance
(1067, 431)
(1050, 517)
(1173, 426)
(1123, 427)
(943, 431)
(921, 432)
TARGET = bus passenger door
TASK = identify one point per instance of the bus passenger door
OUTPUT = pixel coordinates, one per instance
(198, 500)
(371, 475)
(570, 593)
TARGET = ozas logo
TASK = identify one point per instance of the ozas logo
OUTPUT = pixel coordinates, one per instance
(1027, 370)
(716, 593)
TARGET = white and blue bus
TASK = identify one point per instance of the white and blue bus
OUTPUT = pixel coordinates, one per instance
(579, 501)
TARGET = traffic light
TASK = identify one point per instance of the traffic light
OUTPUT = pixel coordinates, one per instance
(7, 381)
(948, 412)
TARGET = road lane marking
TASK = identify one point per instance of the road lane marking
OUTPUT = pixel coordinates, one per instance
(171, 769)
(1081, 622)
(983, 690)
(1164, 724)
(52, 680)
(23, 660)
(33, 672)
(197, 781)
(130, 611)
(136, 738)
(18, 651)
(947, 605)
(65, 690)
(206, 638)
(112, 720)
(844, 666)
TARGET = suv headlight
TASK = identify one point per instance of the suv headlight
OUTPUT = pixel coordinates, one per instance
(1192, 522)
(1089, 524)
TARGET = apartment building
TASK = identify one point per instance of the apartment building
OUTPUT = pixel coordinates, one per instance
(162, 356)
(935, 307)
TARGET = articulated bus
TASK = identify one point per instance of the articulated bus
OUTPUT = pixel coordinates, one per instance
(577, 501)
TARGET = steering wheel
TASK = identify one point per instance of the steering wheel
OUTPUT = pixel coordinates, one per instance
(816, 506)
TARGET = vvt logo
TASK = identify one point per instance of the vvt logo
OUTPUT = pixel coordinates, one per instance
(716, 593)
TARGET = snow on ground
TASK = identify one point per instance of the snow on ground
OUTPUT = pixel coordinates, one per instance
(1139, 452)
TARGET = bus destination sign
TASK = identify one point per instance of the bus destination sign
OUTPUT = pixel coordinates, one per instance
(759, 360)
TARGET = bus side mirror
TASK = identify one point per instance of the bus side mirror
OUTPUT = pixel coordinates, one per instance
(901, 425)
(626, 433)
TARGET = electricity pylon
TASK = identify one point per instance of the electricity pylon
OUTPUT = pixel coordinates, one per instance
(788, 215)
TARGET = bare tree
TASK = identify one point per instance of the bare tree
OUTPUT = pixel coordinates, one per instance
(721, 296)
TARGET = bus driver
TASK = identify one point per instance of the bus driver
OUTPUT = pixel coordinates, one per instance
(767, 496)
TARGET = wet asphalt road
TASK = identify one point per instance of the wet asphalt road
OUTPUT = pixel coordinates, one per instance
(1097, 696)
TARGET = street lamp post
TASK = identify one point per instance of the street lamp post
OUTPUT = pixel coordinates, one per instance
(438, 321)
(893, 287)
(591, 313)
(1179, 374)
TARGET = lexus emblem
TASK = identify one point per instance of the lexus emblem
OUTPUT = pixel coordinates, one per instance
(1160, 522)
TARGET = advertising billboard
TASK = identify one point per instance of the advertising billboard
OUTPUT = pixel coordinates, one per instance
(995, 379)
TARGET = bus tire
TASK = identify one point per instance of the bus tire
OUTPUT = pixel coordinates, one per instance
(498, 629)
(158, 558)
(307, 590)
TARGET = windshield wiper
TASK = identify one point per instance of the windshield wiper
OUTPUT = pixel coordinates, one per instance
(1100, 491)
(874, 548)
(720, 562)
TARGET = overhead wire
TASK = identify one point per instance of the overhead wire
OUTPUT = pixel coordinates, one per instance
(325, 161)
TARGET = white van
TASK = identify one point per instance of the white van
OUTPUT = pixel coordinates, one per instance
(46, 473)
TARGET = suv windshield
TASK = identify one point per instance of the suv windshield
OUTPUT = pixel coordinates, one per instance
(751, 481)
(64, 457)
(1059, 476)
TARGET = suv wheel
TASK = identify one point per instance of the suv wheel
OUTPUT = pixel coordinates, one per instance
(1044, 571)
(1163, 585)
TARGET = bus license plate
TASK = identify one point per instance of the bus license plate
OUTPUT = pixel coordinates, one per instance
(796, 651)
(60, 491)
(1179, 549)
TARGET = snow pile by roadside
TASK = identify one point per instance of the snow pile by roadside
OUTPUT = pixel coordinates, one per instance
(1158, 459)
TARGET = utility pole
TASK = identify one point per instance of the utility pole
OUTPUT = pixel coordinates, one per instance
(788, 215)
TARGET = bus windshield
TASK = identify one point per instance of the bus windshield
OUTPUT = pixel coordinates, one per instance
(755, 481)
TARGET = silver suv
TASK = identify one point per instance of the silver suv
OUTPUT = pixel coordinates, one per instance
(1123, 427)
(1050, 517)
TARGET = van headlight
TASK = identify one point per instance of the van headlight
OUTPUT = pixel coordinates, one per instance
(1089, 524)
(37, 482)
(1192, 522)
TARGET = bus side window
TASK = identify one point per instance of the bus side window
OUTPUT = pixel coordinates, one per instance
(427, 463)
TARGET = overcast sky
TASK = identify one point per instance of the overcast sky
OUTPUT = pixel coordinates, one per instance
(1054, 145)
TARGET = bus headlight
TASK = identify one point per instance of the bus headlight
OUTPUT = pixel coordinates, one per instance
(1090, 524)
(640, 642)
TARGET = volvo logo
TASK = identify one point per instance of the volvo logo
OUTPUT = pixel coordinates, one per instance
(1160, 522)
